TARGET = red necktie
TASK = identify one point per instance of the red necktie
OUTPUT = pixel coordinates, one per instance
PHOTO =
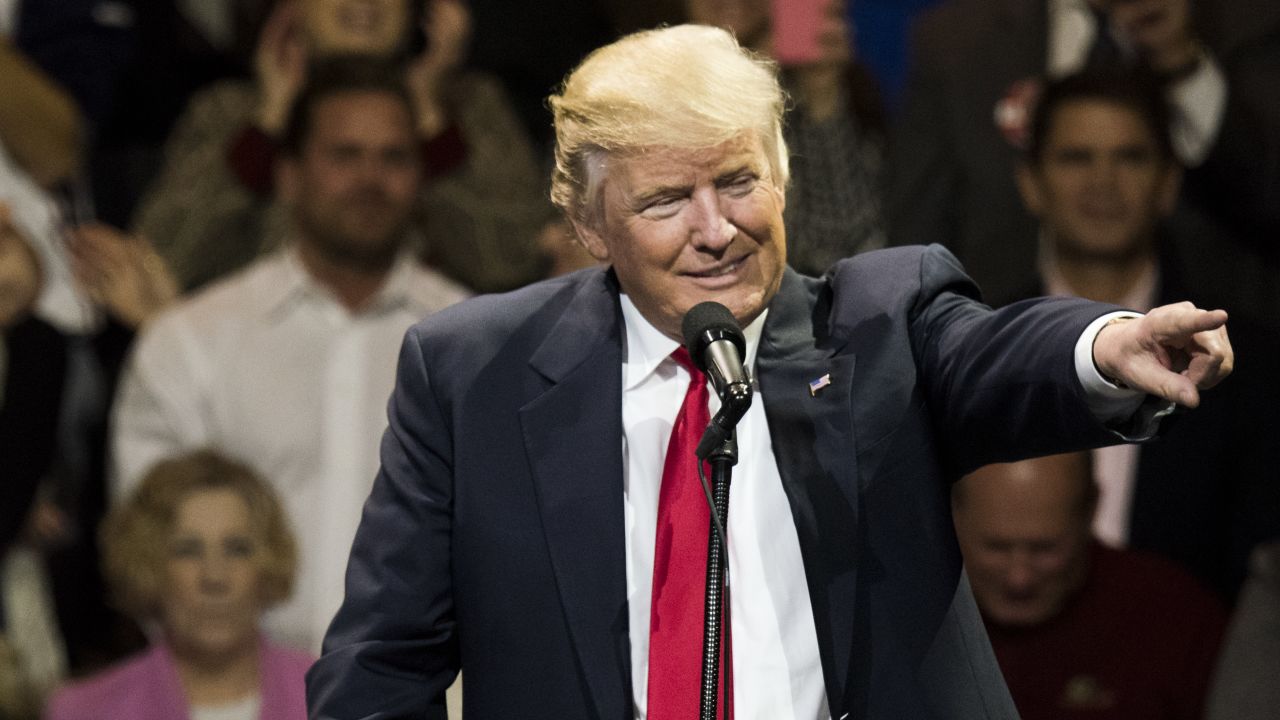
(680, 565)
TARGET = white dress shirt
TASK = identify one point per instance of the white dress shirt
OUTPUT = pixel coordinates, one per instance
(246, 709)
(777, 670)
(271, 369)
(1198, 101)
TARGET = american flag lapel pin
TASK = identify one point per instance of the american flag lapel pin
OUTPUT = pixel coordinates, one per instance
(815, 386)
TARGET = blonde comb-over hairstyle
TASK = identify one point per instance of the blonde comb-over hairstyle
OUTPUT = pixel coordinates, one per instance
(136, 536)
(683, 87)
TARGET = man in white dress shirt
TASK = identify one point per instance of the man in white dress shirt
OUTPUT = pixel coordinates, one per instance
(519, 525)
(287, 365)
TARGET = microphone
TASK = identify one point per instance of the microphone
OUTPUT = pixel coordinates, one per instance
(716, 344)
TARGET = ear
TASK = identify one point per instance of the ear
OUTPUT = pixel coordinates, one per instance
(1029, 189)
(1170, 186)
(288, 180)
(591, 240)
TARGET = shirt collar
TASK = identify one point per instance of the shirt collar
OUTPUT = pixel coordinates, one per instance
(647, 347)
(289, 283)
(1141, 297)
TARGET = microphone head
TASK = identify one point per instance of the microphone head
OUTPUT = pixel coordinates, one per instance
(707, 322)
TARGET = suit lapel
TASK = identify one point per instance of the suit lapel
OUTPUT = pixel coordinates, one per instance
(813, 440)
(573, 437)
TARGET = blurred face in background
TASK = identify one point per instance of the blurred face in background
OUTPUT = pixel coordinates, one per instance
(1024, 530)
(213, 596)
(356, 26)
(1101, 184)
(19, 272)
(353, 186)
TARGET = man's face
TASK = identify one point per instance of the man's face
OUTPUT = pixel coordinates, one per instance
(353, 186)
(684, 226)
(355, 26)
(1024, 532)
(1101, 184)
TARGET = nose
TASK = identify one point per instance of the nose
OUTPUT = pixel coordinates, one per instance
(712, 231)
(372, 169)
(1019, 576)
(1103, 175)
(214, 573)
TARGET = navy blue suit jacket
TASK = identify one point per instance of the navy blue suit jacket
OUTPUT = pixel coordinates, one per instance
(492, 539)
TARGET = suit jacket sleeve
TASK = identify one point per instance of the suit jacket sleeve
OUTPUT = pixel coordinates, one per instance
(392, 650)
(1001, 385)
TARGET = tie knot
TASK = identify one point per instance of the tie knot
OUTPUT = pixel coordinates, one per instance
(681, 355)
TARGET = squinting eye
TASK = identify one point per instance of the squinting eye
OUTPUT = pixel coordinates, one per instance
(742, 184)
(662, 207)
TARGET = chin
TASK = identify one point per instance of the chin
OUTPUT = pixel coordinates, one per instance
(745, 307)
(215, 637)
(1020, 617)
(223, 642)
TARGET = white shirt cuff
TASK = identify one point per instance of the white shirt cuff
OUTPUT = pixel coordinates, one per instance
(1199, 102)
(1107, 401)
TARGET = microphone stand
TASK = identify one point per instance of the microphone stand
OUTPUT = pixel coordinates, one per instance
(716, 608)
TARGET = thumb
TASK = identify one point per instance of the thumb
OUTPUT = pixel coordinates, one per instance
(1149, 376)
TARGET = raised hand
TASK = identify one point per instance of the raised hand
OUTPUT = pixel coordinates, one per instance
(122, 273)
(1160, 29)
(280, 66)
(447, 25)
(1173, 352)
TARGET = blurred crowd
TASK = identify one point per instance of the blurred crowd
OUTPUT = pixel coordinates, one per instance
(219, 217)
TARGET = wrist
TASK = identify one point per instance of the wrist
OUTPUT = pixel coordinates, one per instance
(431, 119)
(1104, 372)
(270, 120)
(273, 111)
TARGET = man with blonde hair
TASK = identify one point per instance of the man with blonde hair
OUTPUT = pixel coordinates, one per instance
(538, 519)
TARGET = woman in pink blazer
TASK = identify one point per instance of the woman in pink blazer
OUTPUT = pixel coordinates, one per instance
(201, 550)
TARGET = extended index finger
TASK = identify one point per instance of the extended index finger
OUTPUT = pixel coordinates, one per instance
(1177, 323)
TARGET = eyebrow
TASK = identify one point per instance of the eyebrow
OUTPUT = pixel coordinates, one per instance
(738, 171)
(642, 199)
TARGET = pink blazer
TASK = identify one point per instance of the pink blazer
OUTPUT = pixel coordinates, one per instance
(146, 687)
